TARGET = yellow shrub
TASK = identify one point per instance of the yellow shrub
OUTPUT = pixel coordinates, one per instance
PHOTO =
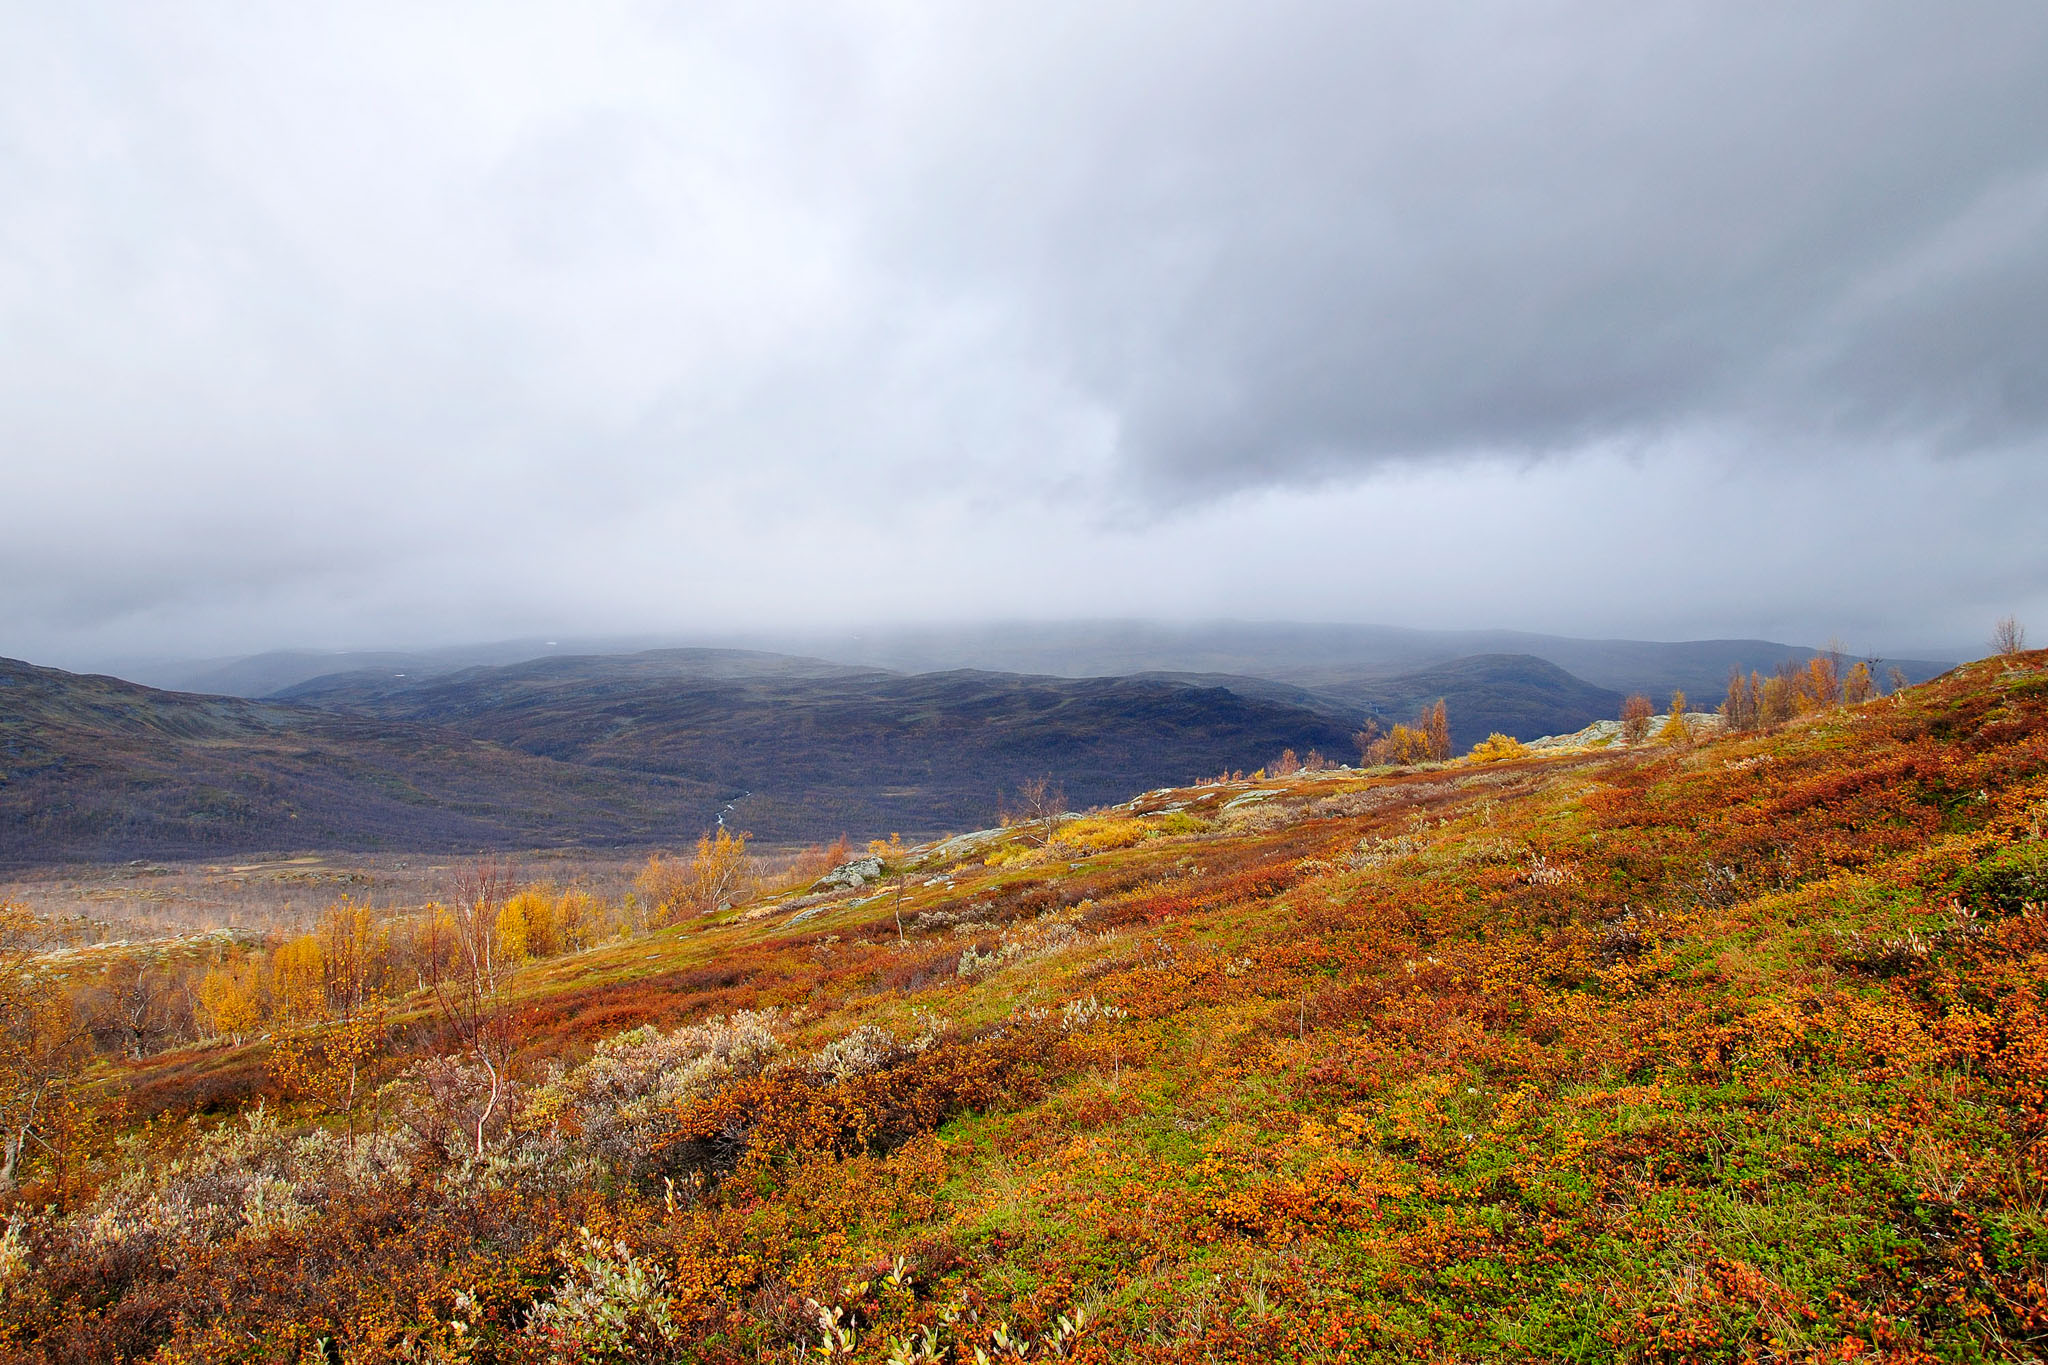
(1100, 833)
(511, 930)
(1003, 855)
(1678, 730)
(298, 987)
(579, 920)
(228, 1004)
(535, 908)
(1497, 746)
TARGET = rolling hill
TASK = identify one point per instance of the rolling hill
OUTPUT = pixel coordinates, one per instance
(729, 714)
(635, 750)
(1317, 656)
(1311, 656)
(93, 768)
(1515, 694)
(805, 748)
(651, 748)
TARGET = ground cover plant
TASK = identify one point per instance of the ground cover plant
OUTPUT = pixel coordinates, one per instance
(1723, 1045)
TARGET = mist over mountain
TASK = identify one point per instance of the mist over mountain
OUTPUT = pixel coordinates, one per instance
(1332, 658)
(1315, 655)
(273, 671)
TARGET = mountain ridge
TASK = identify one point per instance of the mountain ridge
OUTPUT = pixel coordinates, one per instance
(98, 768)
(1307, 653)
(645, 749)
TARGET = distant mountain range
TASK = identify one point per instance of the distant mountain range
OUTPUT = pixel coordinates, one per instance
(666, 710)
(438, 751)
(806, 748)
(1324, 657)
(1336, 660)
(622, 751)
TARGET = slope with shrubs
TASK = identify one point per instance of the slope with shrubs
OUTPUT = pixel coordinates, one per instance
(1735, 1050)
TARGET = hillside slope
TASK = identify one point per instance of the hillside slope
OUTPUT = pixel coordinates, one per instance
(637, 750)
(806, 748)
(93, 768)
(1514, 694)
(1725, 1052)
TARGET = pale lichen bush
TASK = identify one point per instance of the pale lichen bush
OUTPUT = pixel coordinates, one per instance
(602, 1119)
(1261, 819)
(1030, 943)
(13, 1253)
(618, 1101)
(1081, 1014)
(1355, 803)
(1374, 853)
(253, 1177)
(1543, 872)
(866, 1050)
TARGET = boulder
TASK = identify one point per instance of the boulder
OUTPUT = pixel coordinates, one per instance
(851, 876)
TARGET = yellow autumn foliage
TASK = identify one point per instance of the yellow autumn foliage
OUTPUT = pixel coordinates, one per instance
(1498, 747)
(298, 985)
(229, 1001)
(1101, 833)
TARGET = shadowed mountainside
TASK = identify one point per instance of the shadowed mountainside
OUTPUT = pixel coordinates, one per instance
(1515, 694)
(636, 750)
(658, 709)
(652, 748)
(807, 748)
(95, 768)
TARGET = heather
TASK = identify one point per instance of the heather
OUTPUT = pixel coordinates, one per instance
(1722, 1045)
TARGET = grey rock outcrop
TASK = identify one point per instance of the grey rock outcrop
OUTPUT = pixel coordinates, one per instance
(852, 876)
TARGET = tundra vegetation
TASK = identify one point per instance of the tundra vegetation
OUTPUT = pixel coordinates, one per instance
(1426, 740)
(1729, 1048)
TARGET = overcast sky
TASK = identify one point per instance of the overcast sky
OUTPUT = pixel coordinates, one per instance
(419, 324)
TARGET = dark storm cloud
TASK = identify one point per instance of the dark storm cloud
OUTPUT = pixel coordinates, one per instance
(405, 324)
(1298, 240)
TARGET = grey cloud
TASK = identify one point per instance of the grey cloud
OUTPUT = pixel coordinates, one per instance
(1308, 239)
(342, 325)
